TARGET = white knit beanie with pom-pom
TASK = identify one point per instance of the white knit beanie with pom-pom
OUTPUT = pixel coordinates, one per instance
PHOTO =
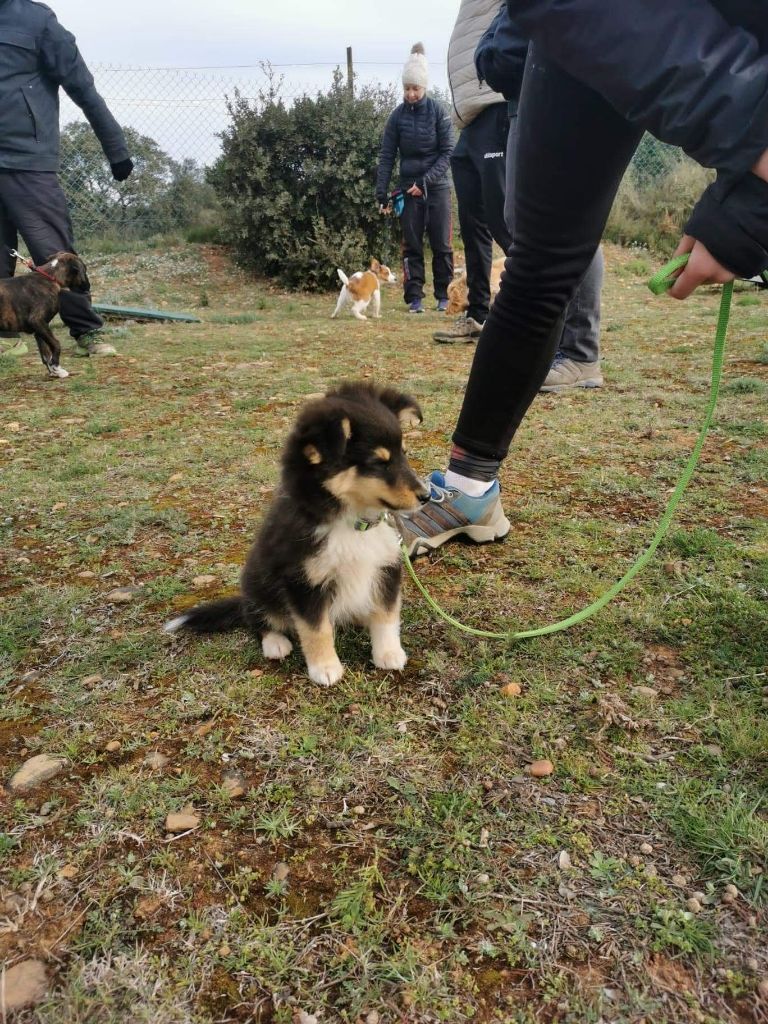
(416, 69)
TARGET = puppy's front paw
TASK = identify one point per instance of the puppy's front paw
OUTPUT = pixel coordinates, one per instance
(392, 658)
(276, 646)
(326, 673)
(58, 371)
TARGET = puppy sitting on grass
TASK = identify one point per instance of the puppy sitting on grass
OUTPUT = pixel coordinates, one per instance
(325, 554)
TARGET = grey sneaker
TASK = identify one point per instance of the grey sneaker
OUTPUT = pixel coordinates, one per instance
(567, 373)
(465, 330)
(18, 348)
(451, 513)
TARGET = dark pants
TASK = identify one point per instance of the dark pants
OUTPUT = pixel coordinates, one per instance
(430, 213)
(478, 166)
(572, 151)
(33, 205)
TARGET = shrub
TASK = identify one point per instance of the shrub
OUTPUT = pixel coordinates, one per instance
(297, 183)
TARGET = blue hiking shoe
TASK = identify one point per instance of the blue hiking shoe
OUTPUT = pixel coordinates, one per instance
(451, 513)
(442, 305)
(417, 306)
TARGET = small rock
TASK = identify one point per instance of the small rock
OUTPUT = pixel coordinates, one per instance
(224, 950)
(234, 786)
(204, 581)
(731, 890)
(30, 677)
(156, 760)
(90, 681)
(402, 727)
(304, 1018)
(752, 964)
(86, 574)
(762, 989)
(483, 879)
(564, 861)
(680, 881)
(540, 769)
(24, 984)
(359, 809)
(633, 860)
(646, 848)
(484, 837)
(560, 743)
(175, 477)
(122, 595)
(113, 746)
(280, 871)
(511, 690)
(68, 871)
(181, 822)
(693, 905)
(713, 749)
(645, 691)
(205, 728)
(36, 770)
(372, 1017)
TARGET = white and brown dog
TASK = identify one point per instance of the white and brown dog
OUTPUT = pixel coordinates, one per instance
(361, 288)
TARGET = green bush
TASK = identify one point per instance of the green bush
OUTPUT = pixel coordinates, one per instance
(297, 183)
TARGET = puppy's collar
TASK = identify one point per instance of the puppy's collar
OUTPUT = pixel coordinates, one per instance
(368, 524)
(31, 266)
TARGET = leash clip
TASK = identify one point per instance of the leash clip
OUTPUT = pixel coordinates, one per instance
(23, 259)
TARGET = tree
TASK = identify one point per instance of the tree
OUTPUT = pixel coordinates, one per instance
(162, 195)
(297, 182)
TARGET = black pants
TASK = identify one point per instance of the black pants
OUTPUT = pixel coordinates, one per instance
(33, 205)
(478, 166)
(572, 151)
(431, 214)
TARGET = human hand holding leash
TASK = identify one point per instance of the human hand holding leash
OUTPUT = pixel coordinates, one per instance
(701, 268)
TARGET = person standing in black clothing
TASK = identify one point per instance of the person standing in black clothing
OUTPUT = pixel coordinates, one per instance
(478, 164)
(37, 57)
(419, 130)
(597, 76)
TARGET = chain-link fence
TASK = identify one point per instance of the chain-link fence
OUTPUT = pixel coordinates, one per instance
(174, 118)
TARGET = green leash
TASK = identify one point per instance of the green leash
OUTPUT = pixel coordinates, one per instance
(659, 283)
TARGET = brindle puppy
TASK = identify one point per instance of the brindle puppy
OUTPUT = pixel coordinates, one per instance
(28, 303)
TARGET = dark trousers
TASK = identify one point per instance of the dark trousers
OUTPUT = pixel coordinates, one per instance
(33, 205)
(572, 151)
(431, 214)
(478, 166)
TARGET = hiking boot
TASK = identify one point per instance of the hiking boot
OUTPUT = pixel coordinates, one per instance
(567, 373)
(91, 345)
(442, 305)
(465, 330)
(451, 513)
(417, 306)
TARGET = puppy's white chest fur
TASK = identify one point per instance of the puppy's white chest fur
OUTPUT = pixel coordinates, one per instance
(350, 560)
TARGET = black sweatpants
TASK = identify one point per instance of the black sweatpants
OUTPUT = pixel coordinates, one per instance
(33, 205)
(478, 165)
(572, 151)
(430, 213)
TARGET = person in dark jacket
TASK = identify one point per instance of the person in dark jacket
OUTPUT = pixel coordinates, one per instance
(37, 57)
(419, 130)
(596, 77)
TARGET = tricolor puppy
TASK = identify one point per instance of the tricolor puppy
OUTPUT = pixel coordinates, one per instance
(363, 286)
(325, 554)
(29, 302)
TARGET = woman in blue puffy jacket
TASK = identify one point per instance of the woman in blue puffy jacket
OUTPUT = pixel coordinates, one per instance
(419, 130)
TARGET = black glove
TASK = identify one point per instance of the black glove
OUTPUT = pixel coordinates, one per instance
(731, 219)
(120, 171)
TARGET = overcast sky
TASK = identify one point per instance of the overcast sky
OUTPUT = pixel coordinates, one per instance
(197, 33)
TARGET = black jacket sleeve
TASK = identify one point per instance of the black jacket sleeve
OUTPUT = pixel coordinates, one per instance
(676, 67)
(731, 219)
(445, 143)
(62, 63)
(387, 155)
(500, 56)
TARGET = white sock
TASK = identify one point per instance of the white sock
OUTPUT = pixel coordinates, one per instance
(474, 488)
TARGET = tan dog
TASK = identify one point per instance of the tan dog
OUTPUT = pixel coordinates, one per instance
(457, 289)
(363, 287)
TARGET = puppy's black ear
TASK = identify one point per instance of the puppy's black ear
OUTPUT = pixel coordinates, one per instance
(405, 407)
(323, 436)
(77, 275)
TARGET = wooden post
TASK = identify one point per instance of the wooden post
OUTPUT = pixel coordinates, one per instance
(350, 73)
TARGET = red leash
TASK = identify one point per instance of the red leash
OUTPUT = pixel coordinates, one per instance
(31, 266)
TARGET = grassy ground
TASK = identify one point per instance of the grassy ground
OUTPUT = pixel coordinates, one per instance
(390, 858)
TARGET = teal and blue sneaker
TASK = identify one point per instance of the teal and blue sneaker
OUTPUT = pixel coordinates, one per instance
(451, 513)
(442, 305)
(417, 306)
